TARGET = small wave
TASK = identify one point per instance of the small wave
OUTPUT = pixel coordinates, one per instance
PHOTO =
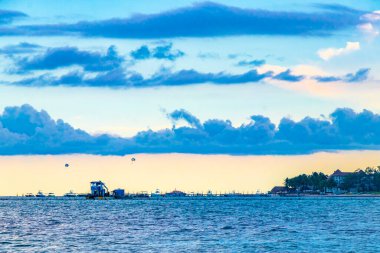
(228, 227)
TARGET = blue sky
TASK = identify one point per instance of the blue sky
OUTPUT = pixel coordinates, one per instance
(122, 67)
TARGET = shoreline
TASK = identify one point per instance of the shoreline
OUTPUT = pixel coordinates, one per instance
(266, 196)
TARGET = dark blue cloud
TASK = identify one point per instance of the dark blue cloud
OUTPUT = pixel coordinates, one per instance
(185, 77)
(186, 116)
(159, 52)
(288, 76)
(141, 53)
(21, 48)
(115, 78)
(252, 63)
(345, 130)
(205, 20)
(359, 76)
(59, 57)
(7, 16)
(119, 78)
(326, 79)
(24, 130)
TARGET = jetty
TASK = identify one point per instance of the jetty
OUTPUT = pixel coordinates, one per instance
(100, 191)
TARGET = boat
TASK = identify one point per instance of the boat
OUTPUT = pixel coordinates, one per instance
(29, 195)
(51, 195)
(99, 190)
(40, 194)
(70, 194)
(156, 194)
(141, 195)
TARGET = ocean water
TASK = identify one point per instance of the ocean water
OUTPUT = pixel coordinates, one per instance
(216, 225)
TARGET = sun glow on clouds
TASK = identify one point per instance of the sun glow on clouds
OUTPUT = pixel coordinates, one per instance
(328, 53)
(368, 29)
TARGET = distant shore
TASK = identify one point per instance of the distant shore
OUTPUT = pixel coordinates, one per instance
(262, 196)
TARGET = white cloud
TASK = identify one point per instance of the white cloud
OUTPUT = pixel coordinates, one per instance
(328, 53)
(370, 23)
(373, 16)
(369, 29)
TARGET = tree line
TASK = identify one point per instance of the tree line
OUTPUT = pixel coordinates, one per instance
(317, 181)
(361, 180)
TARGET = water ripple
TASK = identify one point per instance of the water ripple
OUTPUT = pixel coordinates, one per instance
(229, 225)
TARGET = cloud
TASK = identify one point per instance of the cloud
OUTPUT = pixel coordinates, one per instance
(206, 19)
(60, 57)
(115, 78)
(21, 48)
(252, 63)
(327, 79)
(141, 53)
(344, 130)
(369, 29)
(359, 76)
(24, 130)
(160, 52)
(185, 77)
(7, 16)
(208, 55)
(119, 78)
(328, 53)
(185, 115)
(372, 16)
(288, 76)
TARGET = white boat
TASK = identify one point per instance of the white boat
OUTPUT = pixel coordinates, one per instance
(51, 194)
(29, 195)
(70, 194)
(40, 194)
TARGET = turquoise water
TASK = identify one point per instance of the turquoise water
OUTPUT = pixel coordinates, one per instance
(219, 225)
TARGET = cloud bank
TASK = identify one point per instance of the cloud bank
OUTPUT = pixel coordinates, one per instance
(119, 78)
(207, 19)
(24, 130)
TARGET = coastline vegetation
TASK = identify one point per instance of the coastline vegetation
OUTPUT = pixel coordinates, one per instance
(361, 181)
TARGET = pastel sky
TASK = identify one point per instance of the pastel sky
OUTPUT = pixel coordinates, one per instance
(235, 78)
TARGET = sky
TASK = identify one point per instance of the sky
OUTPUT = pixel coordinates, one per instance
(241, 78)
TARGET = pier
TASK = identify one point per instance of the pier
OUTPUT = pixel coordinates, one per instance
(99, 191)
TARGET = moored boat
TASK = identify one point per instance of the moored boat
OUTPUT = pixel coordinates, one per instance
(156, 194)
(70, 194)
(40, 194)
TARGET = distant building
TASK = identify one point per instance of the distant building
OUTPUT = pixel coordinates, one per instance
(339, 176)
(175, 193)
